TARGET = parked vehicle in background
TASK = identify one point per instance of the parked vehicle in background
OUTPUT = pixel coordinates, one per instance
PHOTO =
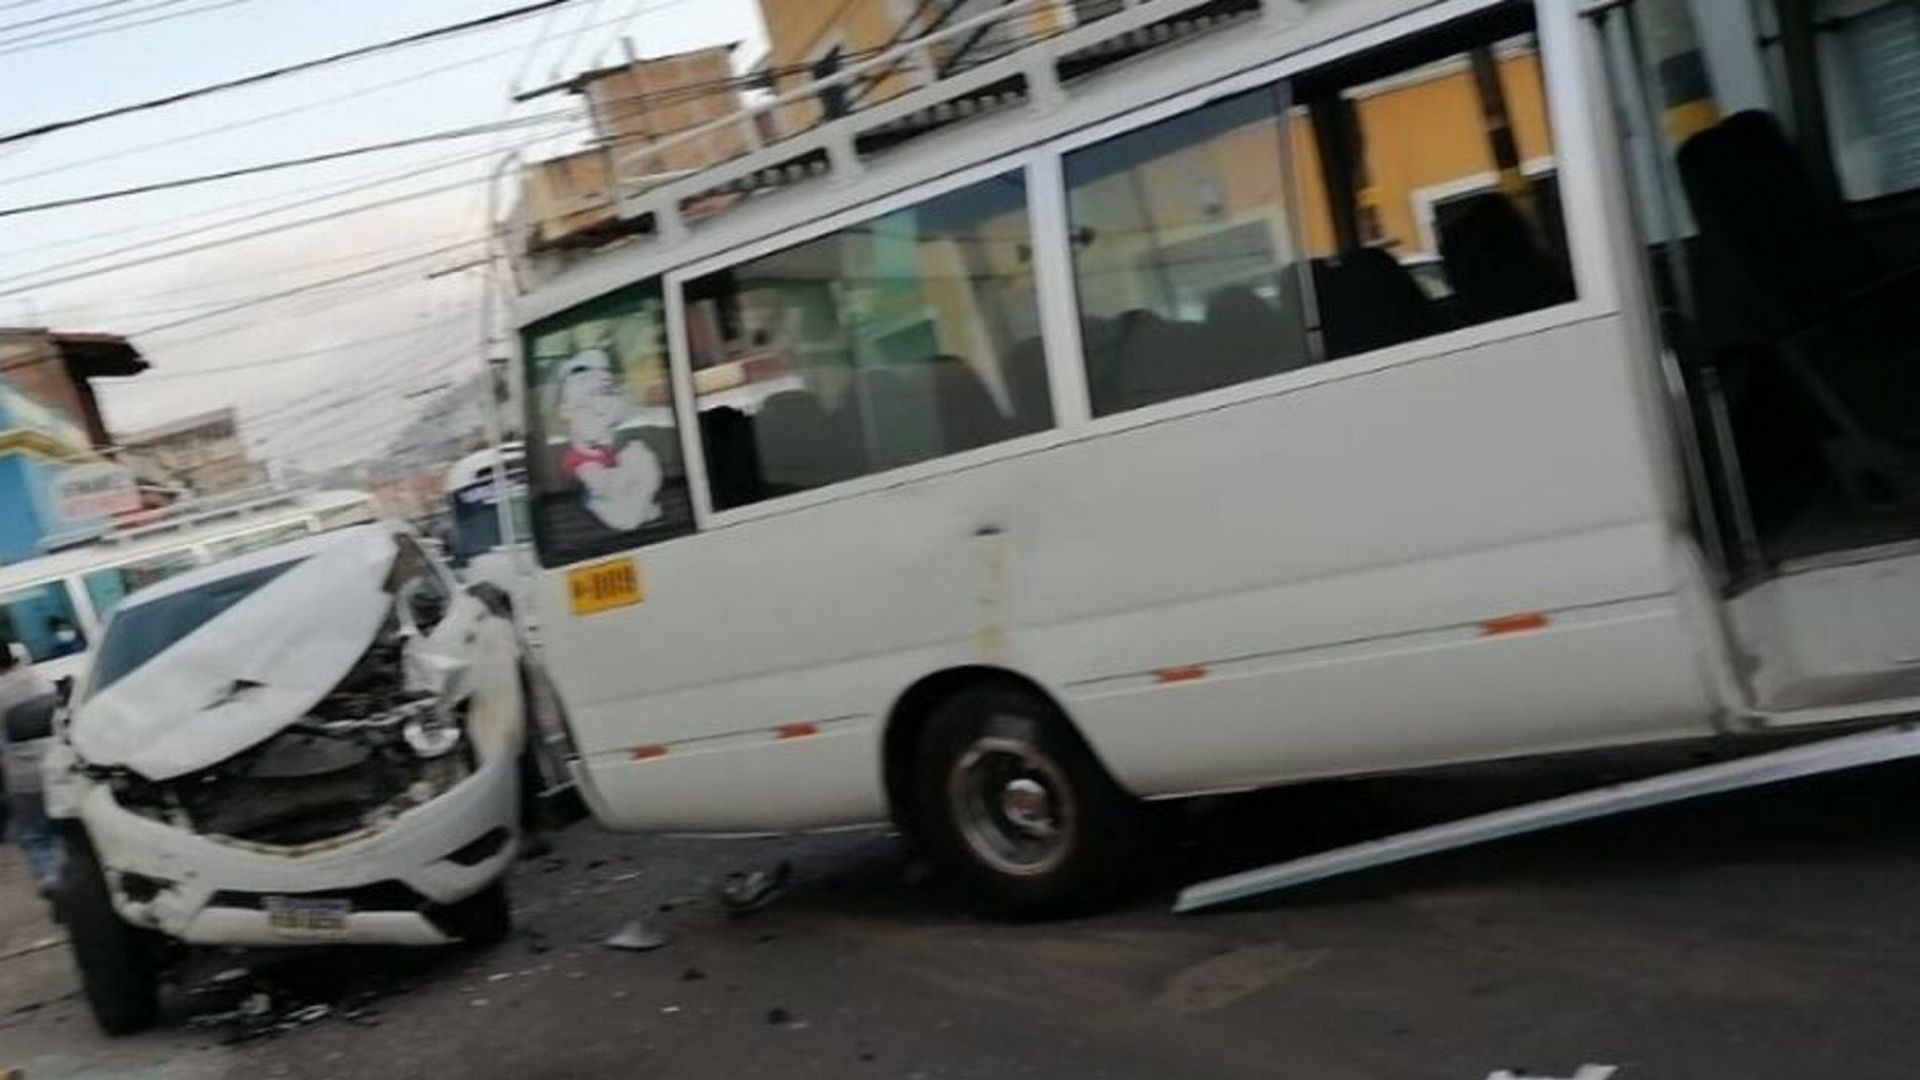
(315, 743)
(55, 606)
(1144, 448)
(481, 543)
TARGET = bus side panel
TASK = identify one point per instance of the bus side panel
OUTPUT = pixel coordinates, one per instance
(1328, 609)
(1328, 559)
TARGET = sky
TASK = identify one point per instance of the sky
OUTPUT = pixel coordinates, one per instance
(376, 339)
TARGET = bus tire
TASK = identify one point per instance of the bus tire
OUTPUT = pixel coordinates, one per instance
(1014, 809)
(118, 963)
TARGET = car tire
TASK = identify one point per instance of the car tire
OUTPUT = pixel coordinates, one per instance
(1013, 807)
(483, 919)
(118, 963)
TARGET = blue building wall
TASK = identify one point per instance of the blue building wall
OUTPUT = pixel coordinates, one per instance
(35, 444)
(21, 523)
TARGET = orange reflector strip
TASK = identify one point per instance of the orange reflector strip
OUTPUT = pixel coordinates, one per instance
(649, 752)
(1514, 624)
(1188, 673)
(795, 731)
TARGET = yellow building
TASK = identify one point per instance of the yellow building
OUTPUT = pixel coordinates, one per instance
(646, 103)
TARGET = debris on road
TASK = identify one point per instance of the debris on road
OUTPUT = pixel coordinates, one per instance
(779, 1017)
(746, 893)
(266, 1002)
(636, 936)
(692, 974)
(1583, 1073)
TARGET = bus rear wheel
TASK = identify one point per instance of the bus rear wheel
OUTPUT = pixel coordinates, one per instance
(1014, 809)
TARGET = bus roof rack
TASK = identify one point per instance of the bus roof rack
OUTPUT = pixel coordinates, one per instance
(1037, 68)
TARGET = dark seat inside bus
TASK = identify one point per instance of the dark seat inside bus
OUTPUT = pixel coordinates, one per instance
(733, 459)
(803, 445)
(1368, 301)
(1806, 329)
(1495, 261)
(1806, 302)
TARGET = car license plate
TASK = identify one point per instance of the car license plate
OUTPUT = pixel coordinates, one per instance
(322, 916)
(605, 586)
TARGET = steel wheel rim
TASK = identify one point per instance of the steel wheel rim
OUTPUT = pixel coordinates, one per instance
(1013, 806)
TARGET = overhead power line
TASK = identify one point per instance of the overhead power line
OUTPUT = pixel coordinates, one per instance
(304, 354)
(215, 285)
(69, 13)
(418, 38)
(8, 286)
(568, 116)
(20, 283)
(48, 39)
(304, 106)
(298, 289)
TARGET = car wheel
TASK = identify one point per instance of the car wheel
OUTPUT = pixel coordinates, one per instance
(1013, 807)
(483, 919)
(118, 963)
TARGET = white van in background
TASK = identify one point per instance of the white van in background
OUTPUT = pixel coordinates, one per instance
(481, 543)
(53, 607)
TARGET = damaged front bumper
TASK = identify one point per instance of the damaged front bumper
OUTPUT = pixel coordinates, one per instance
(387, 886)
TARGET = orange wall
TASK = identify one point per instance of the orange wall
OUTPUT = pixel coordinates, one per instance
(1435, 138)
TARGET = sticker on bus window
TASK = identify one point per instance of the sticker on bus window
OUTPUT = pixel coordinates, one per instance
(604, 451)
(605, 586)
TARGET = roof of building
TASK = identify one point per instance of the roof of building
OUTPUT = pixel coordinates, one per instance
(88, 355)
(580, 82)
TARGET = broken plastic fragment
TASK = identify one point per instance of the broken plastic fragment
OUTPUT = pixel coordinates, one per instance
(747, 893)
(636, 936)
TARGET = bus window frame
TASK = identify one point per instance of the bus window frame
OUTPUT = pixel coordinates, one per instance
(1573, 76)
(680, 355)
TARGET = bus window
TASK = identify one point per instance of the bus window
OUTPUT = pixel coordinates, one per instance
(897, 340)
(107, 587)
(603, 450)
(41, 618)
(1426, 180)
(1184, 255)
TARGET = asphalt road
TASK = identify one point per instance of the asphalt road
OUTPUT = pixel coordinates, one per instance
(1764, 935)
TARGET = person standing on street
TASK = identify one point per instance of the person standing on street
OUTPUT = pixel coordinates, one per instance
(20, 688)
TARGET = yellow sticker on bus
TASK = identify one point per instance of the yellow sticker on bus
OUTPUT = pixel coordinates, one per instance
(605, 586)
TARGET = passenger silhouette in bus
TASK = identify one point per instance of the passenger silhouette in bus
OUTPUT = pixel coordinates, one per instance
(619, 484)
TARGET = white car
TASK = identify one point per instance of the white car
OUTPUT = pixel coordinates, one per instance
(315, 743)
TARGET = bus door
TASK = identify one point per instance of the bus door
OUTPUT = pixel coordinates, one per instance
(1771, 153)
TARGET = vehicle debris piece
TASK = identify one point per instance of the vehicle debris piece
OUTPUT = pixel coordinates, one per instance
(746, 893)
(266, 1003)
(636, 936)
(1583, 1073)
(779, 1017)
(1808, 759)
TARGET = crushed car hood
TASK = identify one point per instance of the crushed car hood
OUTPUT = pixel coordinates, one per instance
(247, 673)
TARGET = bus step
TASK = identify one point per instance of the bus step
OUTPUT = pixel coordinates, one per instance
(1811, 759)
